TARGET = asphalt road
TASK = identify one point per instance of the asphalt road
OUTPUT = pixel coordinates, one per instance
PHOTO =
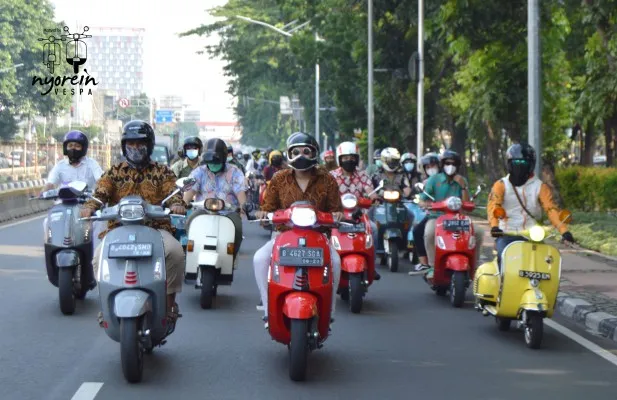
(407, 343)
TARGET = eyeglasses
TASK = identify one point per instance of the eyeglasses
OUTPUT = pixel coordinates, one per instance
(296, 151)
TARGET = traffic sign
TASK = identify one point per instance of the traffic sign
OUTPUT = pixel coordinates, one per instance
(162, 116)
(124, 103)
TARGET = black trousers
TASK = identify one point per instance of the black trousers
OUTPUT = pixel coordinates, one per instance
(418, 237)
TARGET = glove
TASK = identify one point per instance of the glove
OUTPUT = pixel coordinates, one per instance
(496, 232)
(567, 236)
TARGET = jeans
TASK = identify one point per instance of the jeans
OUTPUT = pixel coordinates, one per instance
(418, 237)
(261, 263)
(502, 242)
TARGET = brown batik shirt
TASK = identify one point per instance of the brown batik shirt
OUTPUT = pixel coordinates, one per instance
(153, 184)
(283, 190)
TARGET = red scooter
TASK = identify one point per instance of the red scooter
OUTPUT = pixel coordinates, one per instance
(455, 248)
(300, 284)
(354, 244)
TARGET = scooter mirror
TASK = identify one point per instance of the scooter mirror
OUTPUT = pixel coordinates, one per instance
(419, 187)
(499, 213)
(185, 183)
(78, 186)
(565, 216)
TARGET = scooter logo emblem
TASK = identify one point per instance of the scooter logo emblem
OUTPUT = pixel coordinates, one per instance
(76, 52)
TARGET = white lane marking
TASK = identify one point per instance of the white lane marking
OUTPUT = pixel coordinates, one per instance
(87, 391)
(594, 348)
(22, 222)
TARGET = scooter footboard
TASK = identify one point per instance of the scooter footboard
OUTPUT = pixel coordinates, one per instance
(458, 262)
(354, 263)
(534, 300)
(300, 305)
(131, 303)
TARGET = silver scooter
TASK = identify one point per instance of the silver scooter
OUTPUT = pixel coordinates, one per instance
(132, 281)
(68, 245)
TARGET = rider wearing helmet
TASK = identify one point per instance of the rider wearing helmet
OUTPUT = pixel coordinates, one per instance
(275, 165)
(141, 176)
(391, 166)
(304, 181)
(232, 160)
(430, 165)
(523, 196)
(252, 165)
(441, 186)
(329, 161)
(375, 167)
(191, 150)
(351, 180)
(409, 161)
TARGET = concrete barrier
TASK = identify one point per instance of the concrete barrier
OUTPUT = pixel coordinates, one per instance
(16, 203)
(21, 185)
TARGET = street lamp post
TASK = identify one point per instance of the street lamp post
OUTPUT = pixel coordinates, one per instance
(420, 145)
(371, 122)
(534, 108)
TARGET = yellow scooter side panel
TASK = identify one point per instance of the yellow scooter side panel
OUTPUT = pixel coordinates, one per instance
(486, 282)
(532, 257)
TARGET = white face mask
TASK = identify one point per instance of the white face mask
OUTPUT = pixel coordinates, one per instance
(192, 154)
(432, 171)
(229, 158)
(449, 169)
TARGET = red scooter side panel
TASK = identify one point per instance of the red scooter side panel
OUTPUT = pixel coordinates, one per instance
(457, 262)
(300, 305)
(353, 263)
(456, 245)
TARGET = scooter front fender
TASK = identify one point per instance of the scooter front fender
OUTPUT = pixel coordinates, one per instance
(300, 305)
(132, 303)
(392, 233)
(457, 262)
(208, 259)
(67, 259)
(354, 263)
(534, 300)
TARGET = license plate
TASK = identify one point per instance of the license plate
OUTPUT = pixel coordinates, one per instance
(130, 250)
(456, 225)
(541, 276)
(301, 257)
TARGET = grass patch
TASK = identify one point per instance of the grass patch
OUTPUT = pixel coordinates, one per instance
(596, 231)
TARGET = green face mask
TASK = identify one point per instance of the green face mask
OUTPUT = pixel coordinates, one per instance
(215, 167)
(378, 163)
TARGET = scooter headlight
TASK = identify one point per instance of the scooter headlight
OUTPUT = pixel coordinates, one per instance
(391, 195)
(349, 200)
(214, 204)
(303, 217)
(537, 233)
(454, 203)
(132, 212)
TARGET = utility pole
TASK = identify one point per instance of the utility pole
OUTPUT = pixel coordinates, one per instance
(420, 145)
(371, 122)
(534, 94)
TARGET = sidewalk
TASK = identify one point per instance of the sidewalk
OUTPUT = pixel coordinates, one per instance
(588, 290)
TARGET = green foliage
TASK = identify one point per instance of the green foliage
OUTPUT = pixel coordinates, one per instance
(588, 188)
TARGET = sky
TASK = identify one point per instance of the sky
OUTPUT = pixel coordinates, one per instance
(200, 81)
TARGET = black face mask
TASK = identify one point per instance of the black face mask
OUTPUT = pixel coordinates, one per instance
(302, 163)
(519, 174)
(75, 155)
(349, 166)
(277, 161)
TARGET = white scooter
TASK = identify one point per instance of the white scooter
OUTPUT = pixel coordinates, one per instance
(214, 237)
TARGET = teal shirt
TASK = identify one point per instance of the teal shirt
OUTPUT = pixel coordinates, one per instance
(439, 187)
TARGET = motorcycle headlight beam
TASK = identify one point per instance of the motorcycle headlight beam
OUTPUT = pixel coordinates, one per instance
(537, 233)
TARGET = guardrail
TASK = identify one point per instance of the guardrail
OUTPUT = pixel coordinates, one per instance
(16, 203)
(22, 185)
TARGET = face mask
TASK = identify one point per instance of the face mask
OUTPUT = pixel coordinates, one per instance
(302, 163)
(518, 175)
(378, 163)
(192, 154)
(137, 156)
(349, 166)
(215, 168)
(277, 161)
(409, 166)
(449, 169)
(74, 155)
(229, 158)
(432, 171)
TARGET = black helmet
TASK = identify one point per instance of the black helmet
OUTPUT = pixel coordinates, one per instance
(302, 162)
(450, 155)
(521, 151)
(428, 159)
(77, 137)
(377, 154)
(215, 152)
(192, 141)
(138, 130)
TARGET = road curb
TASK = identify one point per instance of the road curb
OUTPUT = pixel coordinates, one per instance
(586, 314)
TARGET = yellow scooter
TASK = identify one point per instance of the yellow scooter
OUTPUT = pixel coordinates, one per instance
(526, 288)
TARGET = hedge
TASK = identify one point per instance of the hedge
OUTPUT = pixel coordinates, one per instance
(588, 188)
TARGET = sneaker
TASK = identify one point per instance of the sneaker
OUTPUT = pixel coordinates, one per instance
(260, 306)
(420, 269)
(99, 319)
(265, 320)
(376, 277)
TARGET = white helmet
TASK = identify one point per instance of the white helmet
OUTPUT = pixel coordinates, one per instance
(347, 149)
(390, 159)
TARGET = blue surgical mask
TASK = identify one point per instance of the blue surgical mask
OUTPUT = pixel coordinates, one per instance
(215, 168)
(409, 166)
(378, 163)
(192, 154)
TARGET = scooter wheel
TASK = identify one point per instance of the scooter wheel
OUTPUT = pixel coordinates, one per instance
(66, 295)
(393, 256)
(534, 330)
(503, 324)
(208, 289)
(298, 349)
(457, 288)
(131, 352)
(356, 293)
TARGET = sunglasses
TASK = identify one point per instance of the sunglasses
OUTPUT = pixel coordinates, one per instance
(306, 151)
